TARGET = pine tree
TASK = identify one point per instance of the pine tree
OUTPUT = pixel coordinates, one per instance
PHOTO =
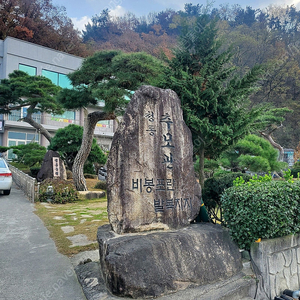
(37, 93)
(214, 100)
(110, 76)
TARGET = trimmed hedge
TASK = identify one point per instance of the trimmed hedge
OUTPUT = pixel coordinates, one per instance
(90, 176)
(64, 191)
(34, 171)
(213, 189)
(261, 210)
(101, 185)
(69, 174)
(295, 171)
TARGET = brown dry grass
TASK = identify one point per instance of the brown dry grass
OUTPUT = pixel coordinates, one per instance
(90, 183)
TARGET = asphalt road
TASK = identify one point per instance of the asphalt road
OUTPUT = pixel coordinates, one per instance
(30, 266)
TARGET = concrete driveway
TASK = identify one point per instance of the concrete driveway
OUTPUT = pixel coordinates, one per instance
(31, 268)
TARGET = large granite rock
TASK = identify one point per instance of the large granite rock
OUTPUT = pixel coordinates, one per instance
(158, 263)
(52, 167)
(151, 182)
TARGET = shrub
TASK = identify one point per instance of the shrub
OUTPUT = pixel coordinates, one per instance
(261, 210)
(29, 154)
(295, 171)
(89, 168)
(20, 166)
(101, 185)
(214, 187)
(296, 164)
(34, 171)
(64, 191)
(90, 176)
(69, 174)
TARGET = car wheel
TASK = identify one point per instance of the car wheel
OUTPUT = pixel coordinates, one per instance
(6, 192)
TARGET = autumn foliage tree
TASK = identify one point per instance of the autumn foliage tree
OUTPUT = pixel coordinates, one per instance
(42, 23)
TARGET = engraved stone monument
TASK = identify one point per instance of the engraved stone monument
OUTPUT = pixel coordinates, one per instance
(52, 167)
(150, 248)
(151, 182)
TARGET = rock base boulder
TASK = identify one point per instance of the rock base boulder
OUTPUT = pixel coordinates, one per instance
(48, 170)
(163, 262)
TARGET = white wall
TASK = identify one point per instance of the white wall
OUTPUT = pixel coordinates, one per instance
(14, 51)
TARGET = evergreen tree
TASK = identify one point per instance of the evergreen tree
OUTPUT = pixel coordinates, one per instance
(101, 29)
(252, 153)
(35, 92)
(67, 141)
(214, 101)
(30, 154)
(110, 76)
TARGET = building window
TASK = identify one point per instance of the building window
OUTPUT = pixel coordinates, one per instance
(67, 115)
(53, 76)
(64, 81)
(28, 69)
(16, 115)
(17, 135)
(105, 123)
(23, 136)
(20, 138)
(61, 80)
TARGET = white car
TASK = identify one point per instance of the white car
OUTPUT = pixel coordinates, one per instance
(5, 177)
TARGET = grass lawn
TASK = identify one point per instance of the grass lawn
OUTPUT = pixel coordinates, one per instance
(82, 217)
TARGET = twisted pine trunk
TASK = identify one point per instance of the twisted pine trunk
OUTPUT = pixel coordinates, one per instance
(39, 127)
(269, 138)
(28, 119)
(86, 145)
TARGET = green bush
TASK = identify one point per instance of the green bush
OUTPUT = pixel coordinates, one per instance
(30, 154)
(90, 176)
(296, 164)
(214, 187)
(69, 174)
(34, 171)
(261, 210)
(101, 185)
(64, 191)
(295, 171)
(20, 166)
(89, 168)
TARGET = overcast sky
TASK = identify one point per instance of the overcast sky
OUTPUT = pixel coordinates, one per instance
(80, 11)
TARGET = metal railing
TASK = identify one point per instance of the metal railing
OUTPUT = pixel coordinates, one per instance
(60, 122)
(26, 183)
(16, 117)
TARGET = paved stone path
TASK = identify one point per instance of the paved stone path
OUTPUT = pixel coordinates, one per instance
(31, 268)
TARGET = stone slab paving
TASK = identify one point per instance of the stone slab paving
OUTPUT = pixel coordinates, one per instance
(83, 257)
(79, 240)
(67, 229)
(31, 268)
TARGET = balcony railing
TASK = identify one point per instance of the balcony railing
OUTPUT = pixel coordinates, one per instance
(17, 117)
(61, 122)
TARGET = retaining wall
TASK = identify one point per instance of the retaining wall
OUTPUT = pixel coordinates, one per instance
(277, 264)
(26, 183)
